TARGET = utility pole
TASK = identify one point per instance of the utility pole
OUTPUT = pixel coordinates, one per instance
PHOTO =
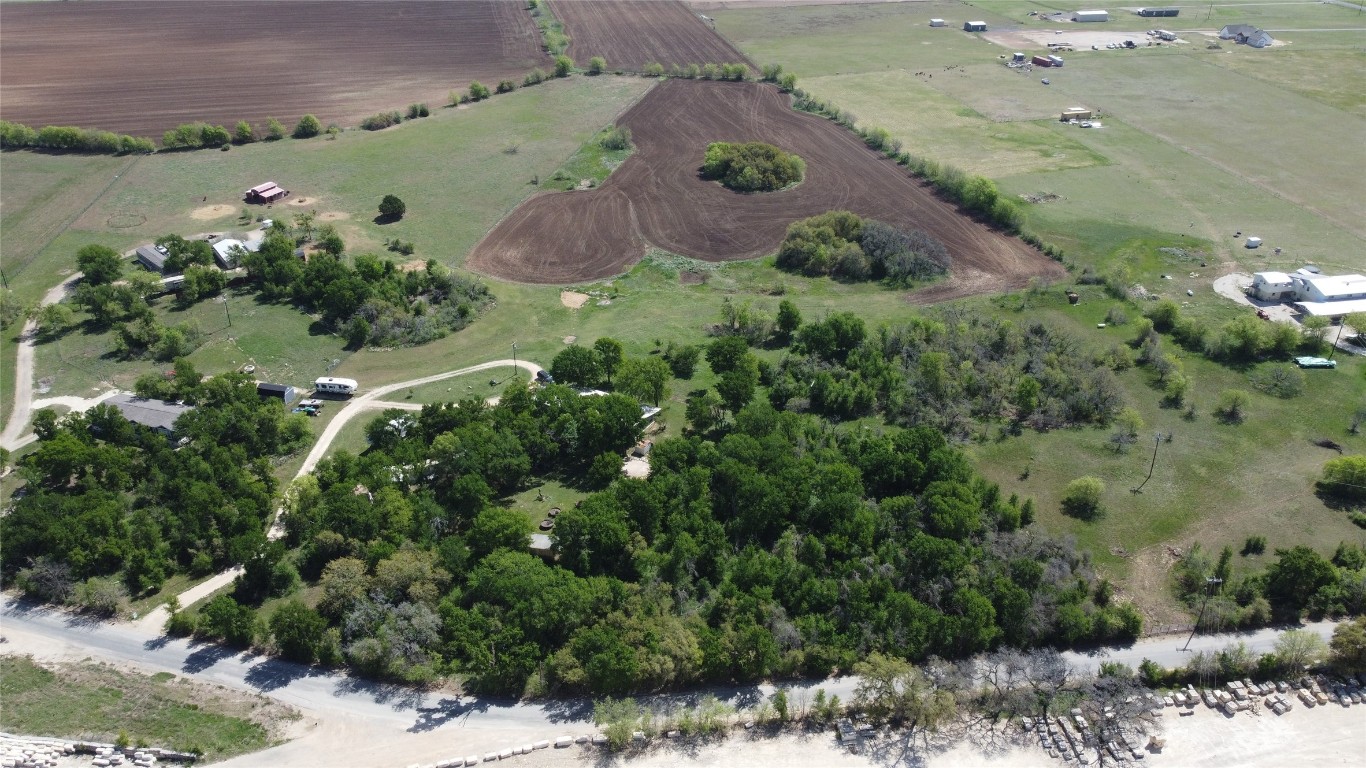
(226, 310)
(1210, 581)
(1157, 440)
(514, 359)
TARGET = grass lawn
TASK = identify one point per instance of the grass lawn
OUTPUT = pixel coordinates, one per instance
(98, 702)
(592, 162)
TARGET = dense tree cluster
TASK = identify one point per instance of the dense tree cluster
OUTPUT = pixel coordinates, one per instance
(107, 497)
(946, 370)
(1299, 581)
(779, 546)
(844, 246)
(751, 167)
(372, 301)
(196, 135)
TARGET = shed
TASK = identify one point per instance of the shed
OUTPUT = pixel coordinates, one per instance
(281, 391)
(228, 252)
(1076, 113)
(149, 257)
(541, 544)
(1017, 58)
(268, 192)
(1253, 242)
(1091, 16)
(153, 414)
(1158, 12)
(974, 26)
(936, 22)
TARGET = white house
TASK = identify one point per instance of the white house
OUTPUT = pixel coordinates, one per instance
(1091, 16)
(1324, 288)
(1272, 286)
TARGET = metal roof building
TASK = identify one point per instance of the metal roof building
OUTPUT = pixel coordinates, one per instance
(156, 414)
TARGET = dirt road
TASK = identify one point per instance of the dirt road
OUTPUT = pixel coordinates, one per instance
(12, 438)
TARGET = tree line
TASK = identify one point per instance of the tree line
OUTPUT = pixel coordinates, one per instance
(844, 246)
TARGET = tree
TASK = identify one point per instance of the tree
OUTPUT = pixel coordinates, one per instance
(243, 133)
(1298, 649)
(498, 527)
(1344, 478)
(298, 631)
(644, 378)
(610, 353)
(726, 353)
(576, 366)
(1232, 405)
(275, 130)
(704, 411)
(1315, 328)
(1081, 498)
(478, 91)
(597, 65)
(101, 264)
(357, 332)
(307, 127)
(1294, 578)
(1349, 646)
(737, 385)
(682, 359)
(789, 319)
(893, 690)
(605, 468)
(392, 208)
(55, 319)
(563, 66)
(223, 618)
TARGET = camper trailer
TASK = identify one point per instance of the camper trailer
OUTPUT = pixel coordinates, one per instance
(330, 386)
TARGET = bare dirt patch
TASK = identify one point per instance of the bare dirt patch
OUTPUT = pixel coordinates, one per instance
(208, 212)
(573, 299)
(691, 278)
(144, 66)
(333, 216)
(632, 33)
(301, 201)
(656, 198)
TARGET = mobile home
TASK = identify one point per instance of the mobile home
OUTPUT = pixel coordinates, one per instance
(974, 26)
(331, 386)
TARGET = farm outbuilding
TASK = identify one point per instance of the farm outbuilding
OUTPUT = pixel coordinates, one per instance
(936, 22)
(228, 252)
(974, 26)
(1326, 288)
(1158, 12)
(268, 192)
(149, 257)
(1091, 16)
(1272, 286)
(1076, 113)
(282, 391)
(1042, 61)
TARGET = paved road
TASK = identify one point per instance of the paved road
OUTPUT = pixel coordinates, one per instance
(13, 437)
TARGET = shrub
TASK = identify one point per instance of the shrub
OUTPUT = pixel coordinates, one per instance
(1344, 478)
(307, 127)
(382, 120)
(1081, 498)
(1232, 406)
(275, 130)
(596, 65)
(1255, 545)
(505, 86)
(771, 73)
(563, 66)
(534, 77)
(617, 138)
(243, 133)
(478, 91)
(654, 69)
(751, 167)
(1283, 381)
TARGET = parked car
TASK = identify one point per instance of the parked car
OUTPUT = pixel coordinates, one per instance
(544, 377)
(1315, 362)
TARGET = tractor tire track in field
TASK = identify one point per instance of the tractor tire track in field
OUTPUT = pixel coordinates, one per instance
(656, 198)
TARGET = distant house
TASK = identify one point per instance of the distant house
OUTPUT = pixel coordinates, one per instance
(1158, 12)
(265, 193)
(1091, 16)
(154, 414)
(974, 26)
(281, 391)
(149, 257)
(1246, 34)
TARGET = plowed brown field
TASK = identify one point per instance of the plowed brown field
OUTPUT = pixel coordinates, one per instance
(143, 67)
(656, 198)
(632, 33)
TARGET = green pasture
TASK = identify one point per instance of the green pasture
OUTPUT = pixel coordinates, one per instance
(819, 40)
(933, 124)
(1213, 483)
(1335, 77)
